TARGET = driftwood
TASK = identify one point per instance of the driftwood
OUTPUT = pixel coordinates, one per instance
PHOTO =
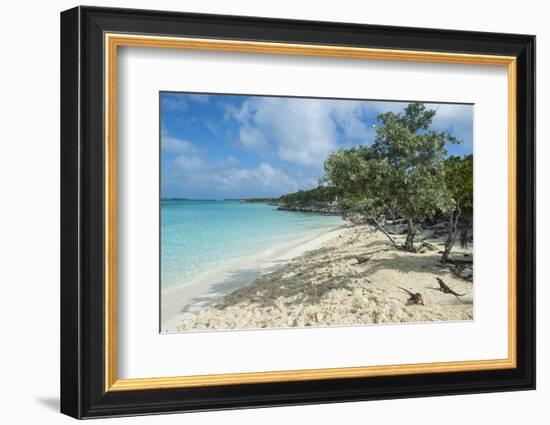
(460, 261)
(414, 298)
(429, 246)
(443, 287)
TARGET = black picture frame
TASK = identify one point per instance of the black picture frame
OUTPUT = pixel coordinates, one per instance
(83, 392)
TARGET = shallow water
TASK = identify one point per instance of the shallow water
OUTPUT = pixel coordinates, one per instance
(199, 235)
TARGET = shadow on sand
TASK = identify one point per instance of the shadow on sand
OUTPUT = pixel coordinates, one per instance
(317, 282)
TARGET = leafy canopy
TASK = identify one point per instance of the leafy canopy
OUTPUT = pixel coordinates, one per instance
(403, 170)
(459, 178)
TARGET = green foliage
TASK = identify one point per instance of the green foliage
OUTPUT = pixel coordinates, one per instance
(405, 169)
(413, 156)
(459, 178)
(259, 200)
(358, 179)
(319, 195)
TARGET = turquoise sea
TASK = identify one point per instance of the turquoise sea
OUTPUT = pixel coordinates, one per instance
(199, 235)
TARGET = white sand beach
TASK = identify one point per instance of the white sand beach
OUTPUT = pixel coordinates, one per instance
(210, 287)
(322, 282)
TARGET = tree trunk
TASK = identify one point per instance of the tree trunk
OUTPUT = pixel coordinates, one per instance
(377, 224)
(409, 242)
(451, 236)
(464, 237)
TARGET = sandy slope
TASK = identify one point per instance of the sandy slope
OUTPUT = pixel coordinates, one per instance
(208, 288)
(327, 286)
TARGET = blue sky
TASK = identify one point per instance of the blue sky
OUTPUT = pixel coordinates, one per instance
(230, 146)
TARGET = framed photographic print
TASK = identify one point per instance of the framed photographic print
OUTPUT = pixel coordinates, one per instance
(261, 212)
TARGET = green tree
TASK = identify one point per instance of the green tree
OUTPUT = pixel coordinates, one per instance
(412, 157)
(358, 178)
(459, 176)
(317, 196)
(403, 171)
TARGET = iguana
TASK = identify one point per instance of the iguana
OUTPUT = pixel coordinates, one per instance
(443, 287)
(415, 298)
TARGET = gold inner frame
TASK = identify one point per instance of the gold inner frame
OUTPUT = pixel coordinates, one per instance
(113, 41)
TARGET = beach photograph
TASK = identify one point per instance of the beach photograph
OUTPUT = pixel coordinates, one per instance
(292, 212)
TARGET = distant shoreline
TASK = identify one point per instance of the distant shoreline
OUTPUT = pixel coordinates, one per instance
(243, 200)
(208, 199)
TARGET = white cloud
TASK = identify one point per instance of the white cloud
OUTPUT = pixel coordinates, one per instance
(348, 115)
(252, 138)
(174, 103)
(174, 145)
(188, 163)
(199, 98)
(230, 161)
(457, 119)
(302, 131)
(262, 179)
(224, 178)
(295, 134)
(451, 113)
